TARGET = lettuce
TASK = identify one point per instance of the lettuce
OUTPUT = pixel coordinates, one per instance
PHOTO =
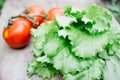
(98, 17)
(81, 42)
(81, 45)
(45, 70)
(92, 73)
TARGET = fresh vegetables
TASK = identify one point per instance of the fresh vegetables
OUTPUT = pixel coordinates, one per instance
(80, 45)
(17, 32)
(17, 35)
(36, 13)
(54, 12)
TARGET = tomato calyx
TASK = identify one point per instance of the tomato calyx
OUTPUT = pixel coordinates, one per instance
(26, 11)
(30, 18)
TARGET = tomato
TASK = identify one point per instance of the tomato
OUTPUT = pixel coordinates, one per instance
(35, 11)
(54, 12)
(18, 35)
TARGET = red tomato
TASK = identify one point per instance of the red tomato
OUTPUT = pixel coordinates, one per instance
(33, 11)
(18, 35)
(54, 12)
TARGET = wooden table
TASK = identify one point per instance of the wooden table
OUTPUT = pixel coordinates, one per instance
(13, 62)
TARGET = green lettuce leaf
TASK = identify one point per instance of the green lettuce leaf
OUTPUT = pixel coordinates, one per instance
(40, 34)
(112, 68)
(114, 41)
(81, 42)
(44, 70)
(62, 61)
(94, 72)
(113, 63)
(67, 10)
(60, 54)
(43, 59)
(64, 21)
(81, 45)
(74, 12)
(98, 17)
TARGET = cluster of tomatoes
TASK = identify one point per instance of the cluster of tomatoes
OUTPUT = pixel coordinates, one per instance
(17, 33)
